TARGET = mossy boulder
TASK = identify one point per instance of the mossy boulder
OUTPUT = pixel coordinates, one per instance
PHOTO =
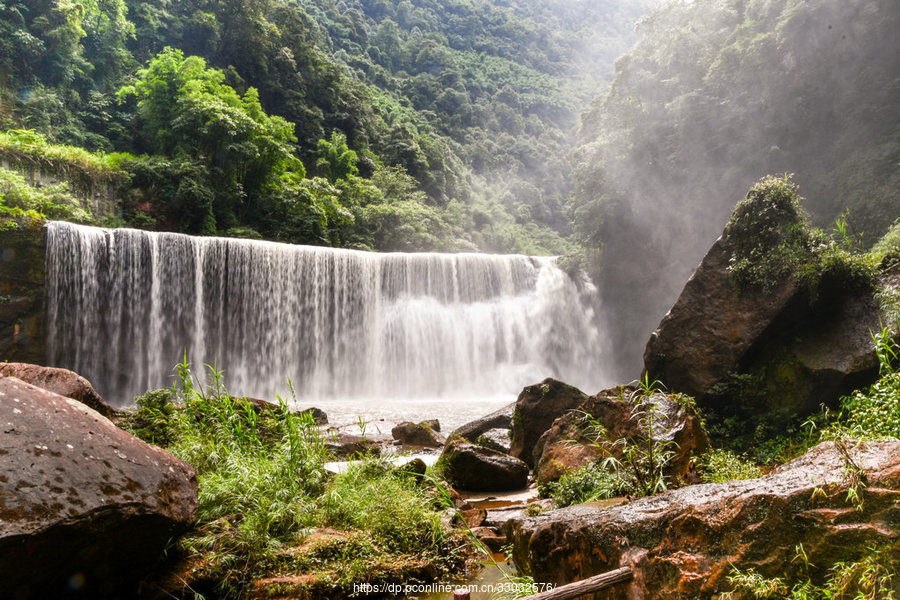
(775, 321)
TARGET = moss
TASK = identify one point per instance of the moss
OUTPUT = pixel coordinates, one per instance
(772, 242)
(29, 150)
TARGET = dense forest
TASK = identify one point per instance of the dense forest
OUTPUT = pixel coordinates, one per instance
(386, 125)
(486, 125)
(717, 94)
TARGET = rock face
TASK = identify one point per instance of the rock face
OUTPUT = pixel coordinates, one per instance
(682, 544)
(711, 326)
(476, 468)
(22, 336)
(501, 418)
(566, 445)
(83, 504)
(59, 381)
(536, 409)
(413, 434)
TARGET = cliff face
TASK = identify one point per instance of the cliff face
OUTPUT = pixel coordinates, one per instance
(22, 328)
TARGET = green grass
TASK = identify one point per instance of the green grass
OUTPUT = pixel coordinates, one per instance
(264, 490)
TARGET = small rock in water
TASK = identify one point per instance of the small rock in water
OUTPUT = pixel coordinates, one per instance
(412, 434)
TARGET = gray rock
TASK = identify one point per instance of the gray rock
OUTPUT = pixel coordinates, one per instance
(495, 439)
(81, 501)
(501, 418)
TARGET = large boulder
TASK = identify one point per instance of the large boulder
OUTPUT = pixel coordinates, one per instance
(501, 418)
(59, 381)
(476, 468)
(536, 408)
(685, 543)
(712, 325)
(772, 355)
(84, 506)
(569, 444)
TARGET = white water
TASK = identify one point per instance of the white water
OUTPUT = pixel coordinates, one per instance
(364, 329)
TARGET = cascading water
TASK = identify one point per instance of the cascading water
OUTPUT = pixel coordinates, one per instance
(125, 305)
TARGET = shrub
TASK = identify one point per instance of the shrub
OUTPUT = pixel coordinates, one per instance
(587, 484)
(719, 466)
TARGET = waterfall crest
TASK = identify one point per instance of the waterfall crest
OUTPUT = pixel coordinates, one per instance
(124, 305)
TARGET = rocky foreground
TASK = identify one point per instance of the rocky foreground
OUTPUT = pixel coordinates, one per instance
(685, 543)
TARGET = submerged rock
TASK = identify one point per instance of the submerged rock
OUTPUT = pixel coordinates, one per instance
(84, 506)
(536, 409)
(568, 444)
(417, 434)
(476, 468)
(59, 381)
(684, 543)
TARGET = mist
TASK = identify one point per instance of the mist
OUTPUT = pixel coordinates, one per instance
(715, 95)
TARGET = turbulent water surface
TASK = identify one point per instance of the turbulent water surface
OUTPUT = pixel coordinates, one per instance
(383, 335)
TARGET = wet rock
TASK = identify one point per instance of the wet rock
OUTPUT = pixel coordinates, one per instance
(260, 406)
(491, 538)
(417, 434)
(569, 443)
(536, 409)
(59, 381)
(472, 517)
(471, 467)
(83, 504)
(415, 467)
(684, 543)
(501, 419)
(495, 439)
(432, 424)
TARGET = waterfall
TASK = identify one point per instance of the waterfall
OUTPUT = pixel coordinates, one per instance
(123, 306)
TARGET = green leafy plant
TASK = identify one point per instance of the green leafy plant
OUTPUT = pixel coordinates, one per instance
(719, 466)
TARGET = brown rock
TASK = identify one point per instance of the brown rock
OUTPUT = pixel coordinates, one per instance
(536, 409)
(413, 434)
(712, 325)
(490, 538)
(470, 467)
(346, 444)
(59, 381)
(684, 543)
(82, 503)
(566, 446)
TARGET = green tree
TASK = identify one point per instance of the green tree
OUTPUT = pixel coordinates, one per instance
(187, 111)
(336, 159)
